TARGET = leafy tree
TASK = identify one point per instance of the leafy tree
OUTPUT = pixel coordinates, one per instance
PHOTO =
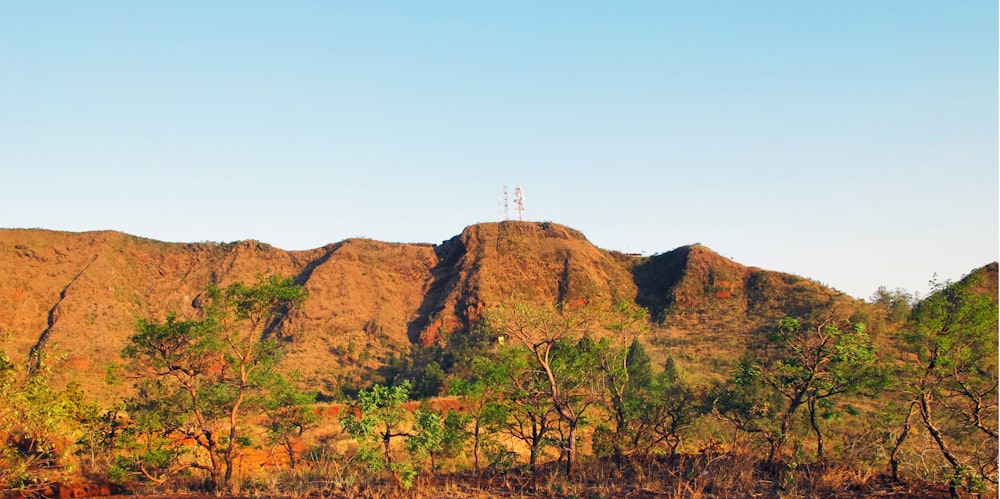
(144, 446)
(456, 434)
(575, 387)
(479, 395)
(374, 419)
(626, 368)
(745, 401)
(522, 409)
(36, 421)
(670, 369)
(847, 365)
(568, 359)
(435, 436)
(429, 439)
(173, 364)
(200, 377)
(430, 382)
(897, 303)
(663, 409)
(41, 427)
(94, 428)
(289, 414)
(796, 367)
(949, 375)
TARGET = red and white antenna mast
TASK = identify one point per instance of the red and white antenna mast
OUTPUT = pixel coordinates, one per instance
(519, 203)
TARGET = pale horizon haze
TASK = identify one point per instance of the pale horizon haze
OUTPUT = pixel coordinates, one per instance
(852, 142)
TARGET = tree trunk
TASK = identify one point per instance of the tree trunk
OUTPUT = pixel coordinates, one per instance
(816, 430)
(475, 445)
(226, 481)
(673, 442)
(234, 417)
(230, 451)
(536, 443)
(571, 451)
(786, 424)
(775, 449)
(620, 424)
(778, 441)
(291, 453)
(213, 455)
(893, 463)
(927, 416)
(386, 438)
(209, 442)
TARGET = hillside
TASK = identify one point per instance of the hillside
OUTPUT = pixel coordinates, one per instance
(77, 295)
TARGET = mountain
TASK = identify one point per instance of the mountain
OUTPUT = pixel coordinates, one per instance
(77, 296)
(983, 281)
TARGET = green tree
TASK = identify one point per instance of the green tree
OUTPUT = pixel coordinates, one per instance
(434, 435)
(430, 382)
(522, 410)
(456, 434)
(173, 364)
(375, 419)
(576, 386)
(289, 414)
(144, 446)
(897, 304)
(94, 428)
(626, 368)
(949, 376)
(200, 377)
(39, 424)
(797, 367)
(557, 341)
(663, 408)
(745, 401)
(480, 395)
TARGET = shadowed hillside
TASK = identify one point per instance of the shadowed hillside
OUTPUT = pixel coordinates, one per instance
(495, 262)
(693, 284)
(76, 296)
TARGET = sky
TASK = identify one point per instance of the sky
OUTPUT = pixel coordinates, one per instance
(851, 142)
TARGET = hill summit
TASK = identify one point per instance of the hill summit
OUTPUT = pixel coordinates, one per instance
(77, 296)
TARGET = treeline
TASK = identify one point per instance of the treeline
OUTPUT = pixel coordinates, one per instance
(896, 390)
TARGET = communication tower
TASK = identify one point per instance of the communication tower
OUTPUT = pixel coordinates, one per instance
(519, 203)
(506, 200)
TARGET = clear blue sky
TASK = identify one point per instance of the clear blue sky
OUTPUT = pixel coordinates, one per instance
(851, 142)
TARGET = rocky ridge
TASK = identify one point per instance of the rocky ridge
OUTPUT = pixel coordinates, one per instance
(76, 296)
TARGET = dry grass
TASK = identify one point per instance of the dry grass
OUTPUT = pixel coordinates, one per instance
(713, 473)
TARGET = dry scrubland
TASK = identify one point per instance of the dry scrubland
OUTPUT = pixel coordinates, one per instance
(683, 374)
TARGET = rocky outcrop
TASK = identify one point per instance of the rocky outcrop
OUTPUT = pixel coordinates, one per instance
(76, 296)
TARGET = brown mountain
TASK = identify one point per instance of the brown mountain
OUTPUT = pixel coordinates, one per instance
(984, 280)
(76, 296)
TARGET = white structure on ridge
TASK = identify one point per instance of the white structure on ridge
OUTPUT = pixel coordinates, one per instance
(506, 201)
(519, 203)
(503, 204)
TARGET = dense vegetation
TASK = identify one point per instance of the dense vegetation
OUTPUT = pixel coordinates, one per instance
(576, 398)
